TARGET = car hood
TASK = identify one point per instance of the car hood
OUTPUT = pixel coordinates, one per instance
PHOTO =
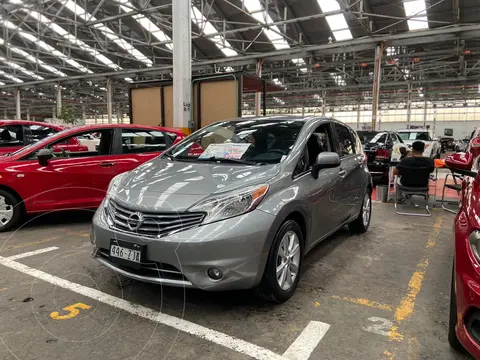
(167, 185)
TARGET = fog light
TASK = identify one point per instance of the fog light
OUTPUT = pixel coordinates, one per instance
(215, 274)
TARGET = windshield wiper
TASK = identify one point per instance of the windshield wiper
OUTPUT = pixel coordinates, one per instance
(237, 161)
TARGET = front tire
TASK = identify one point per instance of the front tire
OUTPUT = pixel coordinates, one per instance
(362, 222)
(11, 210)
(284, 264)
(452, 321)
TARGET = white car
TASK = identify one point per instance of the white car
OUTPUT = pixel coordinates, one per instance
(433, 148)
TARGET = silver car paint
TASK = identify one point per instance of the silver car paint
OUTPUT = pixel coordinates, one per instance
(238, 246)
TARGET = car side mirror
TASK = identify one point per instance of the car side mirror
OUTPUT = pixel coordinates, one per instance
(325, 160)
(43, 156)
(461, 161)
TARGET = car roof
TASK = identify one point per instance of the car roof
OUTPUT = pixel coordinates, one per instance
(412, 130)
(29, 122)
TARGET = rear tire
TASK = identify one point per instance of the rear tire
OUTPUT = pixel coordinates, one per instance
(362, 222)
(11, 210)
(270, 288)
(452, 321)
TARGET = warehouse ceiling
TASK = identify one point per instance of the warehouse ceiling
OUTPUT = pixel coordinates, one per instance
(316, 50)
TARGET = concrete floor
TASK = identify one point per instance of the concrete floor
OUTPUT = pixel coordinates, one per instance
(385, 295)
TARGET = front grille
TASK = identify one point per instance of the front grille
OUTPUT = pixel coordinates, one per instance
(150, 268)
(154, 224)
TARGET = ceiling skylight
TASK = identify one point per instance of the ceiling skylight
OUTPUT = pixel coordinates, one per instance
(339, 80)
(11, 77)
(80, 12)
(418, 11)
(44, 46)
(273, 32)
(337, 22)
(207, 28)
(20, 68)
(73, 40)
(146, 23)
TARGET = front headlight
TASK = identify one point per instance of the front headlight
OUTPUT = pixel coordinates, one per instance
(228, 205)
(114, 183)
(474, 240)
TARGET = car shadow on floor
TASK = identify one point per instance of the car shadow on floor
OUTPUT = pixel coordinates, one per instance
(57, 218)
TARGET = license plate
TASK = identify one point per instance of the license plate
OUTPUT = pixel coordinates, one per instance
(125, 253)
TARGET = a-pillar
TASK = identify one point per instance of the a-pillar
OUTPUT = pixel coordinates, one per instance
(376, 84)
(409, 105)
(59, 99)
(324, 102)
(109, 100)
(182, 65)
(258, 95)
(18, 109)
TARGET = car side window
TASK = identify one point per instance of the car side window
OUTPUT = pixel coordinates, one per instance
(318, 142)
(357, 142)
(136, 141)
(345, 141)
(40, 132)
(11, 135)
(101, 146)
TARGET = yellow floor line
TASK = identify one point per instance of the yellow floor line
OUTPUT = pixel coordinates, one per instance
(365, 302)
(20, 246)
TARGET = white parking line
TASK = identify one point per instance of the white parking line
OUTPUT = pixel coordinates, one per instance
(31, 253)
(300, 349)
(303, 346)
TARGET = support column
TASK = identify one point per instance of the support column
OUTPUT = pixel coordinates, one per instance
(28, 114)
(182, 65)
(5, 114)
(324, 102)
(120, 115)
(59, 99)
(434, 121)
(109, 100)
(425, 108)
(358, 114)
(258, 95)
(54, 113)
(303, 110)
(84, 114)
(409, 105)
(18, 110)
(376, 83)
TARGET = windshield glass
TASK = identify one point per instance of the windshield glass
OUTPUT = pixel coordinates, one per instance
(379, 138)
(249, 141)
(415, 135)
(366, 136)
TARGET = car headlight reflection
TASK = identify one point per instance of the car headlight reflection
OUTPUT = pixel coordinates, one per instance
(232, 204)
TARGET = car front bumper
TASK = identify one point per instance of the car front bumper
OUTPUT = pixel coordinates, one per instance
(238, 247)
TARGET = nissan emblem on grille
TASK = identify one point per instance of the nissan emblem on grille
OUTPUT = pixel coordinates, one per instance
(135, 220)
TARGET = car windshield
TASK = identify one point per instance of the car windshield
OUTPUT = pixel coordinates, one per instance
(415, 135)
(40, 143)
(248, 142)
(379, 138)
(366, 136)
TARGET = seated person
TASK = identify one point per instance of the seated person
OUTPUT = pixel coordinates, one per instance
(414, 170)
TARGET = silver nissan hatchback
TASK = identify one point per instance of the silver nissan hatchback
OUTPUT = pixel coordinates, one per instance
(235, 205)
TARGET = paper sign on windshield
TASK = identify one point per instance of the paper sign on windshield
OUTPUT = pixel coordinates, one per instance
(225, 151)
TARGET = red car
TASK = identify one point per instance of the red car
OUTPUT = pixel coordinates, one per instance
(36, 179)
(464, 324)
(15, 134)
(473, 147)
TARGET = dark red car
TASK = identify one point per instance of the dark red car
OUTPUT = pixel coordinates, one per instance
(473, 147)
(15, 134)
(37, 179)
(464, 324)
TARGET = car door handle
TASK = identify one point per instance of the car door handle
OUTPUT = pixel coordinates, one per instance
(342, 173)
(107, 164)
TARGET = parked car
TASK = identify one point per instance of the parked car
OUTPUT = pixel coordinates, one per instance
(379, 152)
(447, 143)
(433, 148)
(15, 134)
(36, 179)
(461, 145)
(239, 214)
(472, 151)
(464, 320)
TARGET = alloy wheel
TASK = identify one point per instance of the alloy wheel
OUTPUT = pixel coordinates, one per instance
(367, 210)
(6, 211)
(288, 260)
